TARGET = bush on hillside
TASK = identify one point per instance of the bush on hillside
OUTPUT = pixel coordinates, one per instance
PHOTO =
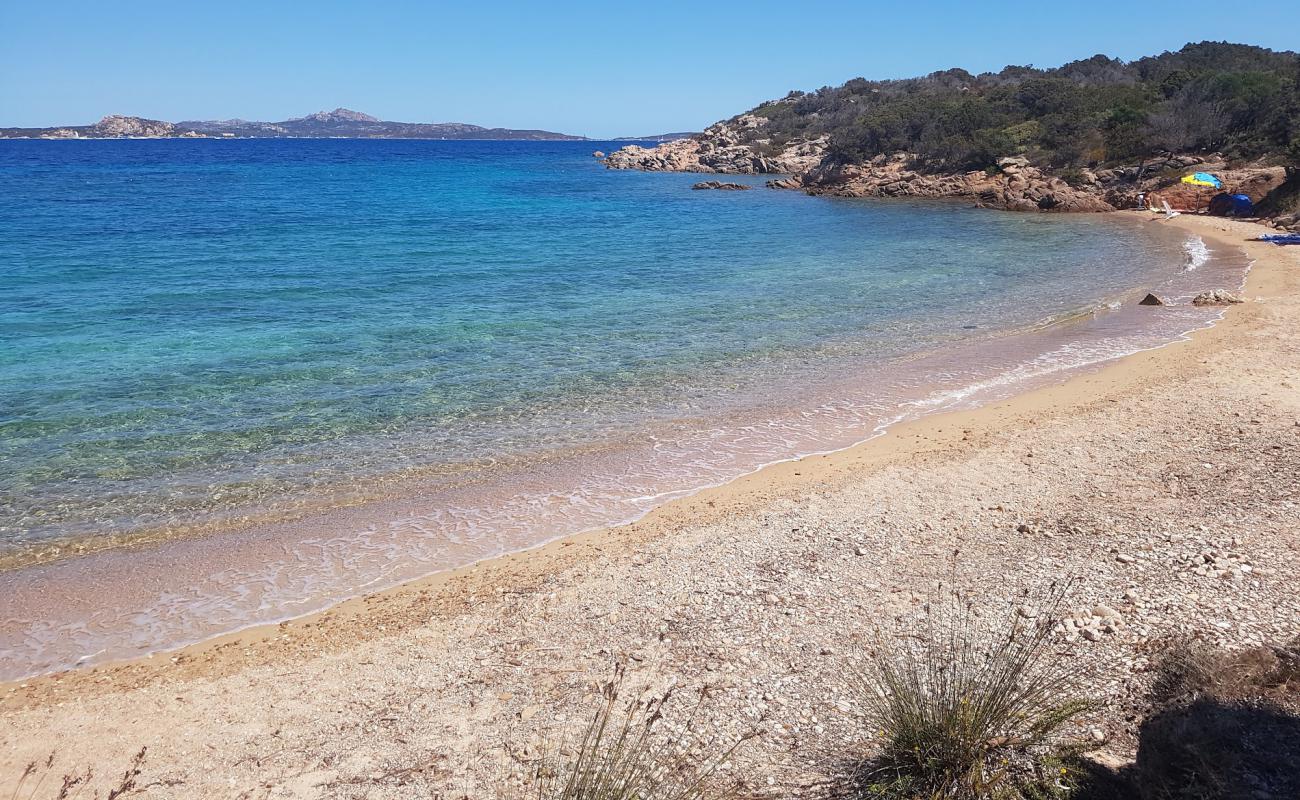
(1241, 100)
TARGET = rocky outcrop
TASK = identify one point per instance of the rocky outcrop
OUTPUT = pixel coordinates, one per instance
(728, 187)
(1286, 222)
(1151, 300)
(116, 125)
(739, 146)
(735, 147)
(1254, 182)
(1017, 186)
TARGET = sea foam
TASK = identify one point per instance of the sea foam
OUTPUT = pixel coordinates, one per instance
(1196, 253)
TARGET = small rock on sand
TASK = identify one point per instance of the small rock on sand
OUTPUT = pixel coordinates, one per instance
(1217, 297)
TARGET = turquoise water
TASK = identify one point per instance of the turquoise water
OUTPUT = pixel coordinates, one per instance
(474, 346)
(190, 322)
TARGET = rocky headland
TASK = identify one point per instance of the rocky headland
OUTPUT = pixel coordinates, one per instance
(738, 147)
(725, 148)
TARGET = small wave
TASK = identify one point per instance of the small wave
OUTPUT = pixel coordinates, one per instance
(1196, 253)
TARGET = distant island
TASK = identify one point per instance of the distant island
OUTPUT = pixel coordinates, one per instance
(339, 123)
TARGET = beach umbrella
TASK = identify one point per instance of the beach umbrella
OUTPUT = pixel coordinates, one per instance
(1204, 179)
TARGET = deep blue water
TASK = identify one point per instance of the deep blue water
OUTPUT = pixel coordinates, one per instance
(189, 326)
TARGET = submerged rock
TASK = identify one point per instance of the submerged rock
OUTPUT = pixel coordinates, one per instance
(727, 187)
(1151, 300)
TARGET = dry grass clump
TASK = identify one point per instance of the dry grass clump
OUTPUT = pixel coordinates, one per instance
(72, 785)
(1223, 725)
(628, 753)
(967, 709)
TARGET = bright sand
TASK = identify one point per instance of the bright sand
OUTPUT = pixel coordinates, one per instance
(756, 588)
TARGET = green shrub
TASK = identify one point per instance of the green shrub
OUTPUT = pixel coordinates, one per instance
(1237, 99)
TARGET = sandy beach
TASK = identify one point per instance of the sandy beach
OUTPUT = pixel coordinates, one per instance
(1123, 479)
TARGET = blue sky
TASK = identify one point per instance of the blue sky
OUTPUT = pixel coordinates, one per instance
(600, 69)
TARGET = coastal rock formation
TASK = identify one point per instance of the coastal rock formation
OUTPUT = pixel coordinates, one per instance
(727, 147)
(116, 125)
(1151, 300)
(1254, 182)
(1017, 186)
(1217, 297)
(730, 187)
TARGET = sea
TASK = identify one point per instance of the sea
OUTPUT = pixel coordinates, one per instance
(242, 380)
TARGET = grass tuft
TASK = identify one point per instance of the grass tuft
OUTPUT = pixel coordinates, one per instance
(627, 752)
(968, 709)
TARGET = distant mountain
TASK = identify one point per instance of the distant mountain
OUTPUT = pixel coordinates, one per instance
(340, 122)
(662, 137)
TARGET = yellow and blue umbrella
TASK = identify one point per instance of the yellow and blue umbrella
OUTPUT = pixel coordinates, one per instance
(1204, 179)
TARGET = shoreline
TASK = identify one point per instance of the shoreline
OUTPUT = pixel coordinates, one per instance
(461, 670)
(929, 421)
(939, 403)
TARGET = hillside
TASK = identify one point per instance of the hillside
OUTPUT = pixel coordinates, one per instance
(1090, 126)
(340, 122)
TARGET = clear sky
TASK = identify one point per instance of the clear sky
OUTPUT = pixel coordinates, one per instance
(601, 69)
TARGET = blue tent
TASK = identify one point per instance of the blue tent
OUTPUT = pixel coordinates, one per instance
(1231, 205)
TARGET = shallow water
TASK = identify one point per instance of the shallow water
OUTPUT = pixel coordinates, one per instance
(473, 346)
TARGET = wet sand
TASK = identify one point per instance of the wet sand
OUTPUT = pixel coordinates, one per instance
(756, 588)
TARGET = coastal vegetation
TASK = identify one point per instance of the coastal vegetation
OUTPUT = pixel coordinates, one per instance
(967, 709)
(626, 752)
(955, 707)
(1239, 100)
(964, 708)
